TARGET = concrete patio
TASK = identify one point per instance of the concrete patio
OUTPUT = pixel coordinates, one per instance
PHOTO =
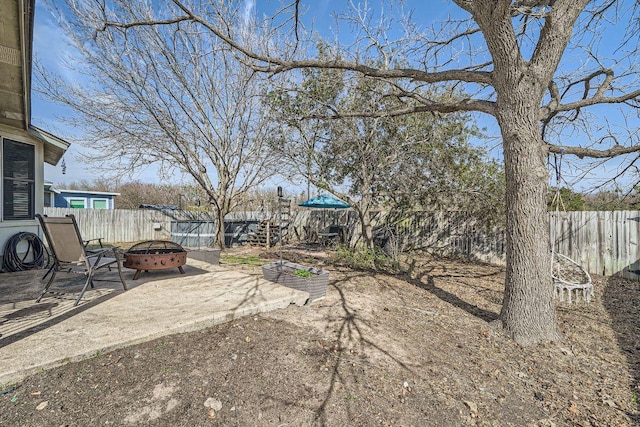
(53, 332)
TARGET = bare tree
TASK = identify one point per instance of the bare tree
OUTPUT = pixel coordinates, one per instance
(518, 61)
(173, 96)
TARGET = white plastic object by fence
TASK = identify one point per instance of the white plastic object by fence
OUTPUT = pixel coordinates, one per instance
(570, 280)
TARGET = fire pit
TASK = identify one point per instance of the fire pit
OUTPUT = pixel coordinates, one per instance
(155, 255)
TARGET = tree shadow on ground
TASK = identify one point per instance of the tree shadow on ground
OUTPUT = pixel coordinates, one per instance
(46, 307)
(352, 326)
(351, 340)
(621, 300)
(427, 283)
(424, 277)
(346, 352)
(425, 274)
(349, 333)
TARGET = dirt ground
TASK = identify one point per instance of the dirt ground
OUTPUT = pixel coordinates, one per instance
(410, 349)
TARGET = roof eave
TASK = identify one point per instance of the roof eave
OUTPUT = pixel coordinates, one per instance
(54, 147)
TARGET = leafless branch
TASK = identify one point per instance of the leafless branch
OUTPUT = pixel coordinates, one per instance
(276, 65)
(582, 152)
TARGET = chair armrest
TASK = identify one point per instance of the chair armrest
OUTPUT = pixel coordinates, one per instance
(99, 240)
(102, 252)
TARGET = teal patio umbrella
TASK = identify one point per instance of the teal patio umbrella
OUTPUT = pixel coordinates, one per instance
(324, 202)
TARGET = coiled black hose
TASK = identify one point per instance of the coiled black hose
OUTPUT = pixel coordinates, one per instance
(11, 261)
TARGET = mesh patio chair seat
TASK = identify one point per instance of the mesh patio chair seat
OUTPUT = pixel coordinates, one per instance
(70, 255)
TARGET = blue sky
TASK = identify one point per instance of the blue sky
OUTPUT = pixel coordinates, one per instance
(51, 49)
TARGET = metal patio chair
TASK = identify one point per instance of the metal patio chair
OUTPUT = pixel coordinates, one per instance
(69, 254)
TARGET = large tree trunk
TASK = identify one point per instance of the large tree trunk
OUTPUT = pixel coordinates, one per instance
(528, 314)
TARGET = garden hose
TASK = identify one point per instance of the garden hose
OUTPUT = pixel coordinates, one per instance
(11, 261)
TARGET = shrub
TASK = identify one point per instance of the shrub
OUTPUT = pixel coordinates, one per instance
(362, 258)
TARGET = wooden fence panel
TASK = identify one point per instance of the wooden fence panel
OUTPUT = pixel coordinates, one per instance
(603, 242)
(633, 223)
(118, 225)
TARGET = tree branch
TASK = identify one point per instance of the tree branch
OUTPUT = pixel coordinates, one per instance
(595, 100)
(269, 64)
(439, 107)
(582, 152)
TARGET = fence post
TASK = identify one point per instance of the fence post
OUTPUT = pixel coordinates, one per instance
(269, 233)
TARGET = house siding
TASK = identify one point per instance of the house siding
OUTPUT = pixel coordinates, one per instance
(63, 199)
(9, 228)
(16, 38)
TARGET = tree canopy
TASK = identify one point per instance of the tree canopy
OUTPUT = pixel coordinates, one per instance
(401, 163)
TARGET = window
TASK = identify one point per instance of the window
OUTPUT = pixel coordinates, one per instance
(76, 203)
(99, 204)
(18, 180)
(47, 199)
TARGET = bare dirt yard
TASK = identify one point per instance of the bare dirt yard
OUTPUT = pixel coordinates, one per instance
(415, 348)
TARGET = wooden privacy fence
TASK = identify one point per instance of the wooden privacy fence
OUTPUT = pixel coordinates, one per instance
(603, 242)
(192, 229)
(118, 225)
(450, 233)
(443, 233)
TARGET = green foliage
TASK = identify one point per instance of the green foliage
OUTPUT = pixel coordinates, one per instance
(351, 397)
(303, 273)
(570, 200)
(166, 370)
(363, 258)
(408, 162)
(614, 199)
(244, 260)
(603, 200)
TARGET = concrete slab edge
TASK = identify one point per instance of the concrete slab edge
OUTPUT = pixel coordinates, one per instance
(8, 378)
